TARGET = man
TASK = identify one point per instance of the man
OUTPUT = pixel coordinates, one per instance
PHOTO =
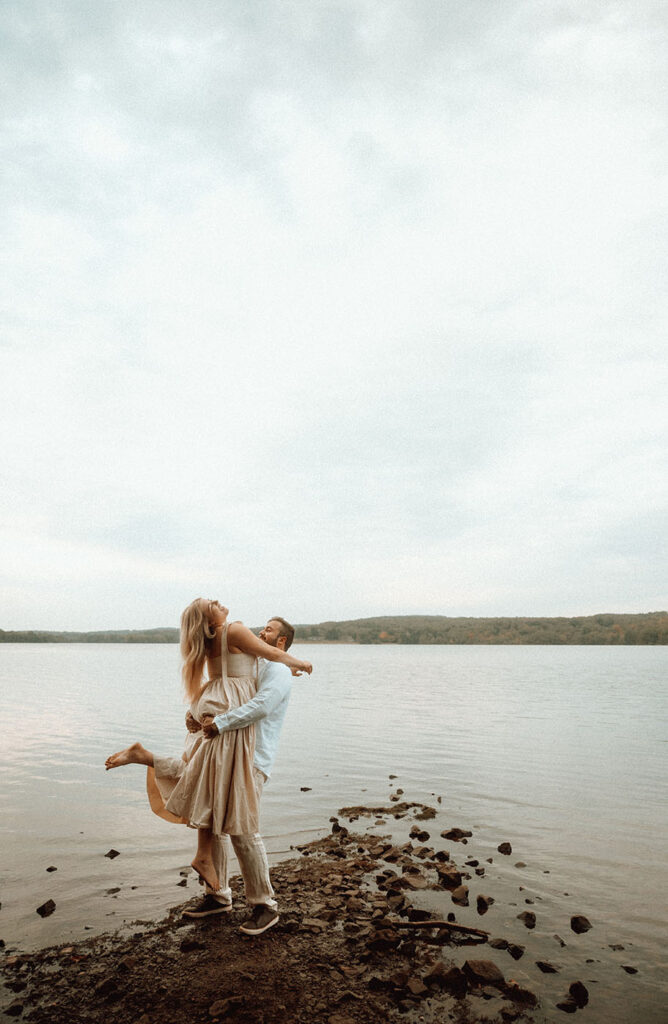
(267, 710)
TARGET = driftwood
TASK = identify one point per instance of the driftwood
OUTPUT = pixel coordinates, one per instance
(441, 924)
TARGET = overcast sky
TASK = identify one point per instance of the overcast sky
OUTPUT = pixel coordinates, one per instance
(332, 309)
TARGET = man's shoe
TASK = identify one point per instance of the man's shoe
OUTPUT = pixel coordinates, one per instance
(263, 917)
(206, 906)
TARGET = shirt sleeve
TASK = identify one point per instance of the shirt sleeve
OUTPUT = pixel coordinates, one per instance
(274, 688)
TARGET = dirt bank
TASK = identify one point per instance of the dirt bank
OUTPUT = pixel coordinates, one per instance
(350, 947)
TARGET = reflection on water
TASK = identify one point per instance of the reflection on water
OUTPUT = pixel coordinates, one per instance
(559, 749)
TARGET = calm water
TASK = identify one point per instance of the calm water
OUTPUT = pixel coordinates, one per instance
(561, 750)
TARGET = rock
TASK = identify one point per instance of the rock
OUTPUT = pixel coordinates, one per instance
(112, 853)
(580, 924)
(521, 995)
(52, 868)
(415, 881)
(314, 924)
(452, 979)
(384, 939)
(472, 863)
(567, 1005)
(110, 892)
(546, 967)
(558, 938)
(221, 1007)
(484, 972)
(498, 943)
(483, 903)
(629, 969)
(14, 1009)
(578, 992)
(505, 848)
(517, 952)
(616, 946)
(528, 918)
(456, 834)
(191, 945)
(183, 882)
(416, 987)
(520, 864)
(46, 909)
(376, 983)
(460, 895)
(305, 789)
(448, 876)
(105, 988)
(480, 872)
(393, 776)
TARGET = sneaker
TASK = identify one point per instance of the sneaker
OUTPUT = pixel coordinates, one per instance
(206, 906)
(263, 917)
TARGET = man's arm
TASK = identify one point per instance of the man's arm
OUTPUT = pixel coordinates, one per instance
(276, 685)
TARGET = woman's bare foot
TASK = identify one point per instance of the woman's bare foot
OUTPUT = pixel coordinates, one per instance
(206, 872)
(134, 754)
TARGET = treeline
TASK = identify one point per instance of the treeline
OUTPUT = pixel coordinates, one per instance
(107, 636)
(645, 628)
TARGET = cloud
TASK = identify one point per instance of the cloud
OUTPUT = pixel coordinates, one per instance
(359, 304)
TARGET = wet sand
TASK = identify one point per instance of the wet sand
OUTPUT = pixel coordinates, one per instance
(354, 944)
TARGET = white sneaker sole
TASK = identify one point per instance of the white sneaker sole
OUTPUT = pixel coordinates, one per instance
(259, 931)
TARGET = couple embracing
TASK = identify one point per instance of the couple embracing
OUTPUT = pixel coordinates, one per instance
(234, 721)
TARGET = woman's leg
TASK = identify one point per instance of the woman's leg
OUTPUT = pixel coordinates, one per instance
(134, 754)
(203, 862)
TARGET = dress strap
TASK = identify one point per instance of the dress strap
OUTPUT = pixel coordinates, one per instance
(223, 653)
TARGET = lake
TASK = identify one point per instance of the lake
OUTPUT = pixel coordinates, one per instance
(559, 750)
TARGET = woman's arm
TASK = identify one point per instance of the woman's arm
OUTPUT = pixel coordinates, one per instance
(240, 636)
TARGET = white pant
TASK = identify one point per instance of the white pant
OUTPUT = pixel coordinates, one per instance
(252, 858)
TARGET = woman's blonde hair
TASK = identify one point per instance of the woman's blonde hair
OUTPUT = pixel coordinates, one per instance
(196, 636)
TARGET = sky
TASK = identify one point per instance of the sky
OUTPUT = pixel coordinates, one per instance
(332, 309)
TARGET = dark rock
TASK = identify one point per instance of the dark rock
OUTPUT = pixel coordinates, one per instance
(520, 864)
(505, 848)
(480, 872)
(46, 909)
(110, 892)
(483, 903)
(483, 972)
(517, 952)
(376, 983)
(456, 834)
(305, 789)
(567, 1005)
(580, 924)
(106, 988)
(183, 882)
(546, 967)
(472, 863)
(416, 987)
(112, 853)
(616, 946)
(578, 992)
(448, 876)
(441, 855)
(629, 969)
(452, 979)
(460, 896)
(393, 776)
(498, 943)
(191, 945)
(221, 1007)
(384, 939)
(528, 918)
(14, 1009)
(52, 868)
(559, 939)
(520, 995)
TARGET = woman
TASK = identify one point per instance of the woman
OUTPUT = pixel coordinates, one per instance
(211, 787)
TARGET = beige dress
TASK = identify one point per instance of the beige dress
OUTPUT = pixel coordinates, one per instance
(212, 784)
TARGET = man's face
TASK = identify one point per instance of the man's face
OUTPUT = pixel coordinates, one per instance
(271, 632)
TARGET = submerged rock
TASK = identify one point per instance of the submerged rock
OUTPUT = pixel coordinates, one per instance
(528, 918)
(46, 909)
(580, 924)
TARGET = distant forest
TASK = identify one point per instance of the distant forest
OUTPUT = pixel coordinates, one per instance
(645, 628)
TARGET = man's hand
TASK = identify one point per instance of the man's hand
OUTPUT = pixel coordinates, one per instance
(304, 666)
(192, 725)
(209, 728)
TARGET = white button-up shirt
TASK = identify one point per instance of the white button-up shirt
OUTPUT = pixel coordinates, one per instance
(266, 709)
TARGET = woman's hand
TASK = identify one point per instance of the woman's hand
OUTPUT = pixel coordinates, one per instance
(192, 725)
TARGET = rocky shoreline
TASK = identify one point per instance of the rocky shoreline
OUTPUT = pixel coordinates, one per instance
(352, 946)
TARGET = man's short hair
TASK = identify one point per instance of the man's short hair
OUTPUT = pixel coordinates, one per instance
(287, 630)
